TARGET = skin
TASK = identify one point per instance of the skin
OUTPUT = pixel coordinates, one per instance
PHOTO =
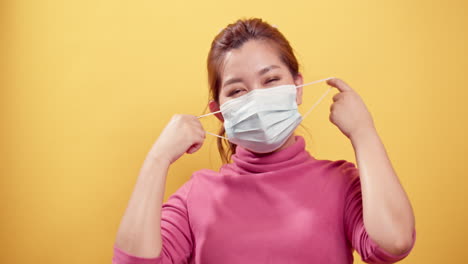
(387, 212)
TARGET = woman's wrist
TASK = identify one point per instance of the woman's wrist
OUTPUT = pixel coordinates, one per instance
(158, 160)
(363, 134)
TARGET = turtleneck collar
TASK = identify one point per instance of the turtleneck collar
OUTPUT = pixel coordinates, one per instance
(246, 161)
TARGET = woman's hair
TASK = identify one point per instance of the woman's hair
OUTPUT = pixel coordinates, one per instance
(233, 37)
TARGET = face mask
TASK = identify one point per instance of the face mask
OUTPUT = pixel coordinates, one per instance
(263, 119)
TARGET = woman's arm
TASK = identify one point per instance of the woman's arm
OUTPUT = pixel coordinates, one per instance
(139, 233)
(140, 229)
(388, 216)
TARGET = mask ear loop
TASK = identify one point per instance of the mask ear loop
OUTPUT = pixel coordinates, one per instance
(213, 134)
(320, 99)
(212, 113)
(316, 103)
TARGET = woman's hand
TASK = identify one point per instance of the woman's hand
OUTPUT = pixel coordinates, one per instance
(348, 111)
(183, 134)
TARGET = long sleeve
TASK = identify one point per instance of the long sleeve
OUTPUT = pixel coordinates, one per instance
(176, 233)
(368, 249)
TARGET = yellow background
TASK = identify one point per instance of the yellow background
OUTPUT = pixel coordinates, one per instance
(87, 86)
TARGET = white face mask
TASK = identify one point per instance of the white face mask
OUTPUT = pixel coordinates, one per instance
(263, 119)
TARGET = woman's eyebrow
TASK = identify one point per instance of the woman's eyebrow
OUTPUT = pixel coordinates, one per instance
(261, 72)
(267, 69)
(231, 81)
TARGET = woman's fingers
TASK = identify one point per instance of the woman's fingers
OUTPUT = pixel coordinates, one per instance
(339, 84)
(198, 143)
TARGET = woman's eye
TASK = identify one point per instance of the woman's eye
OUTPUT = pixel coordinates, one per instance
(234, 92)
(272, 80)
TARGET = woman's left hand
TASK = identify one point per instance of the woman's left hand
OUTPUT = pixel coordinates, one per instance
(348, 111)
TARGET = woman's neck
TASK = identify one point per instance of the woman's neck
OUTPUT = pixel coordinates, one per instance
(291, 140)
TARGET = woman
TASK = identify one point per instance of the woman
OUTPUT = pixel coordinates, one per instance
(274, 203)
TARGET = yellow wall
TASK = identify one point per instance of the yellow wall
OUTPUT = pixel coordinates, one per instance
(88, 85)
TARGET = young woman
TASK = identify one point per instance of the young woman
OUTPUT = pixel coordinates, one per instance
(271, 202)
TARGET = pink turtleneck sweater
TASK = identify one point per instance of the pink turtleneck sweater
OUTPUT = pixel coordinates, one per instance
(284, 207)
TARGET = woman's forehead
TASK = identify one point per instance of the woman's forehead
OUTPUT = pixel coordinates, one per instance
(250, 58)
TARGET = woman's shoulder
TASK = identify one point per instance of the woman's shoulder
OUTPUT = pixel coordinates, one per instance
(197, 179)
(206, 177)
(341, 169)
(339, 164)
(204, 173)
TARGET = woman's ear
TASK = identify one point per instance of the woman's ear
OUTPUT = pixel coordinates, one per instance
(298, 80)
(214, 107)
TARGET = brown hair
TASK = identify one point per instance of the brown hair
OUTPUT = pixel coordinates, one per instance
(233, 37)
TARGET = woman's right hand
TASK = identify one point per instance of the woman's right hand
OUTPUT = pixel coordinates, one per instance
(183, 134)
